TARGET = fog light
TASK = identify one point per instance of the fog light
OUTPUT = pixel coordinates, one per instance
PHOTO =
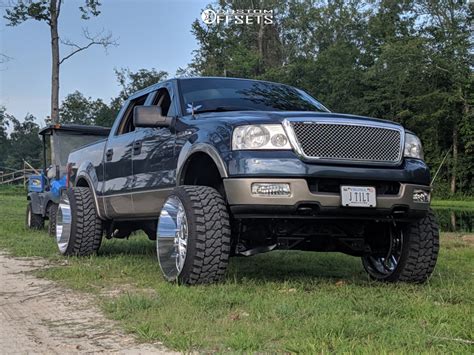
(271, 189)
(421, 196)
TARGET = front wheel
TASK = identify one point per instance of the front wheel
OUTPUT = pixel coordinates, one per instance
(407, 253)
(33, 220)
(78, 228)
(193, 236)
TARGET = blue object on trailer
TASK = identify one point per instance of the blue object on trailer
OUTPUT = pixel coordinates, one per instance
(57, 186)
(36, 183)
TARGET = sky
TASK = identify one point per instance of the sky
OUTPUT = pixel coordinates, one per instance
(151, 34)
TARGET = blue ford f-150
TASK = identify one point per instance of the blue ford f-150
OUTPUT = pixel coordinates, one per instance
(215, 167)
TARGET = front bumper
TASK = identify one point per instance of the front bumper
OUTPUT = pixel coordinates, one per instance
(303, 202)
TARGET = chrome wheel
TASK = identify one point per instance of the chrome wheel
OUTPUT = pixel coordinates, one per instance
(172, 238)
(63, 224)
(383, 266)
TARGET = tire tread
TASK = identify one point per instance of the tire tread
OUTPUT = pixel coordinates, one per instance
(213, 235)
(423, 249)
(88, 226)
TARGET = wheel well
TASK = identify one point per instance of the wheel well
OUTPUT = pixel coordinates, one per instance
(200, 169)
(82, 182)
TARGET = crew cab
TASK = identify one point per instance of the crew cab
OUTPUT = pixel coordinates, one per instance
(216, 167)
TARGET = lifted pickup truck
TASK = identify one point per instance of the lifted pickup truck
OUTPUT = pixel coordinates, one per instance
(214, 167)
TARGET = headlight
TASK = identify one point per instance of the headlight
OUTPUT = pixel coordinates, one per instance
(413, 148)
(271, 136)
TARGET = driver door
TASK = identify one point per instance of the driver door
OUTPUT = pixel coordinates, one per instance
(153, 159)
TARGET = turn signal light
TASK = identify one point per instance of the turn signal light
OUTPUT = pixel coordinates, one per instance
(271, 189)
(421, 196)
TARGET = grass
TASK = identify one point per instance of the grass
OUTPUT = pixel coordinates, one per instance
(276, 302)
(453, 204)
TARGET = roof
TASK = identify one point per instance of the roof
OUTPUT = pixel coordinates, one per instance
(75, 129)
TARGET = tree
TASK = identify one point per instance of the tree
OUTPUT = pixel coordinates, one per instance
(78, 109)
(134, 81)
(4, 142)
(48, 11)
(230, 49)
(449, 34)
(105, 114)
(4, 58)
(24, 142)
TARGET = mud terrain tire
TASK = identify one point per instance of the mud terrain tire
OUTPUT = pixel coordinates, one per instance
(418, 253)
(78, 228)
(206, 236)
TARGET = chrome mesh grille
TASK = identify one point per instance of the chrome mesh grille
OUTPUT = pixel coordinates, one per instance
(333, 141)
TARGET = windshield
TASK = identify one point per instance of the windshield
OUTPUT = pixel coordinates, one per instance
(214, 94)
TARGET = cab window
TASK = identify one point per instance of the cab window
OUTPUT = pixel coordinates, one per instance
(164, 100)
(126, 125)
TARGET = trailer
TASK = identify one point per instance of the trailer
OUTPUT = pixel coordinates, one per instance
(44, 189)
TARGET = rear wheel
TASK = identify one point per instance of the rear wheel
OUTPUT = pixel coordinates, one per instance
(52, 210)
(33, 221)
(193, 236)
(78, 228)
(409, 253)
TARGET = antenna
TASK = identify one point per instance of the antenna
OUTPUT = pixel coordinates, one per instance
(440, 165)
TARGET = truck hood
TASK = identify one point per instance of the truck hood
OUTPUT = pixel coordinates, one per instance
(262, 117)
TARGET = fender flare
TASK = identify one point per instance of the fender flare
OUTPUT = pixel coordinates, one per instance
(188, 150)
(36, 203)
(48, 197)
(87, 172)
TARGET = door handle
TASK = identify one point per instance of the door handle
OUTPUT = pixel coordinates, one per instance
(108, 154)
(137, 147)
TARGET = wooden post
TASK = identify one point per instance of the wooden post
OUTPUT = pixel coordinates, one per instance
(30, 167)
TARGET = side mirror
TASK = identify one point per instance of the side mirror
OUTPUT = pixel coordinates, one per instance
(150, 116)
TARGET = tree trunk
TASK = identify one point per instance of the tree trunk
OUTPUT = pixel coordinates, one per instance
(453, 222)
(455, 159)
(55, 63)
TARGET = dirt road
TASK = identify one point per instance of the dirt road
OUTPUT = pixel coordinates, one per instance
(39, 317)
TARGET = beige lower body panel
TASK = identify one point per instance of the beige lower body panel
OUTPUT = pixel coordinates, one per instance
(238, 192)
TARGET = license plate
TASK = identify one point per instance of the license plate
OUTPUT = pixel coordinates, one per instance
(358, 196)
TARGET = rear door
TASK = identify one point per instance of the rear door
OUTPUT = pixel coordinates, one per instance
(118, 164)
(154, 163)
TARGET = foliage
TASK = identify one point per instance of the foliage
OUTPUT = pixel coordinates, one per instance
(23, 143)
(132, 82)
(44, 10)
(76, 108)
(4, 141)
